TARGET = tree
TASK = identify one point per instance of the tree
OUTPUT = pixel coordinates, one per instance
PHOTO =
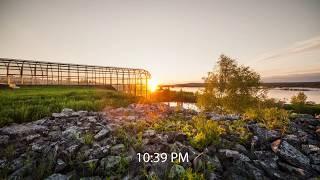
(230, 88)
(299, 99)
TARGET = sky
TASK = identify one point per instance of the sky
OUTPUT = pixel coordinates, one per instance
(177, 41)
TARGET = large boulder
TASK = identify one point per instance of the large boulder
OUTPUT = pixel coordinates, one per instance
(290, 154)
(263, 134)
(21, 130)
(102, 134)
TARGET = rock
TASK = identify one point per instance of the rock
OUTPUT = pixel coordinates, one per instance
(176, 172)
(263, 134)
(72, 150)
(309, 148)
(117, 149)
(22, 130)
(176, 136)
(59, 115)
(234, 154)
(290, 154)
(102, 134)
(318, 132)
(91, 178)
(244, 170)
(293, 169)
(149, 133)
(57, 177)
(37, 147)
(316, 167)
(92, 119)
(32, 137)
(213, 176)
(240, 148)
(72, 132)
(108, 164)
(79, 113)
(60, 165)
(67, 111)
(88, 167)
(4, 139)
(204, 162)
(315, 158)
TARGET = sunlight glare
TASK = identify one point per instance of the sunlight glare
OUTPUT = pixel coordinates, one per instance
(153, 85)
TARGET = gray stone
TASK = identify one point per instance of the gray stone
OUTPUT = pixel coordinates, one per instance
(59, 115)
(149, 133)
(315, 158)
(32, 137)
(4, 139)
(309, 148)
(72, 132)
(92, 119)
(22, 129)
(60, 165)
(88, 167)
(204, 162)
(57, 177)
(102, 134)
(108, 164)
(233, 154)
(72, 149)
(290, 154)
(91, 178)
(67, 111)
(117, 149)
(263, 134)
(292, 169)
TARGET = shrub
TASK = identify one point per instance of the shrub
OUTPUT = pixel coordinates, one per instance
(207, 132)
(239, 129)
(271, 118)
(88, 138)
(190, 175)
(300, 99)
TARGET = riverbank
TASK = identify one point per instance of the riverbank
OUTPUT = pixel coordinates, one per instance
(74, 144)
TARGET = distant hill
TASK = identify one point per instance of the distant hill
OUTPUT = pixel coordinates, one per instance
(268, 84)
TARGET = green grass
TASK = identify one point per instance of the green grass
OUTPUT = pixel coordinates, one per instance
(33, 103)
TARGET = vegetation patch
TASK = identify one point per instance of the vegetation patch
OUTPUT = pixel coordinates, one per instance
(33, 103)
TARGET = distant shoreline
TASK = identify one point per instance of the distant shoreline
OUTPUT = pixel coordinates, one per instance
(268, 85)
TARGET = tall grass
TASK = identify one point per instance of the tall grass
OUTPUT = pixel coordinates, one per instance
(32, 103)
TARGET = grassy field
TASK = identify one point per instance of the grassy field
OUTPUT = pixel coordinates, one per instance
(32, 103)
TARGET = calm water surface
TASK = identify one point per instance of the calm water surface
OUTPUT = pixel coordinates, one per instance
(284, 94)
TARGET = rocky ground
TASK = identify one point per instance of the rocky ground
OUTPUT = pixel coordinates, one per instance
(89, 145)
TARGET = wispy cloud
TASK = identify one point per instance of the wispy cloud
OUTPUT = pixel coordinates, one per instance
(296, 48)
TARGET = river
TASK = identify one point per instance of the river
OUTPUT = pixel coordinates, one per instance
(283, 94)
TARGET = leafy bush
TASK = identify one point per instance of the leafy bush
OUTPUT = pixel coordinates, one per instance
(239, 129)
(190, 175)
(207, 132)
(271, 118)
(300, 99)
(88, 138)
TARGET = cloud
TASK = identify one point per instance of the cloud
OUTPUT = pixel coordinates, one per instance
(296, 48)
(308, 77)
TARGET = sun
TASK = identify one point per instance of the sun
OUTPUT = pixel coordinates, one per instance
(152, 85)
